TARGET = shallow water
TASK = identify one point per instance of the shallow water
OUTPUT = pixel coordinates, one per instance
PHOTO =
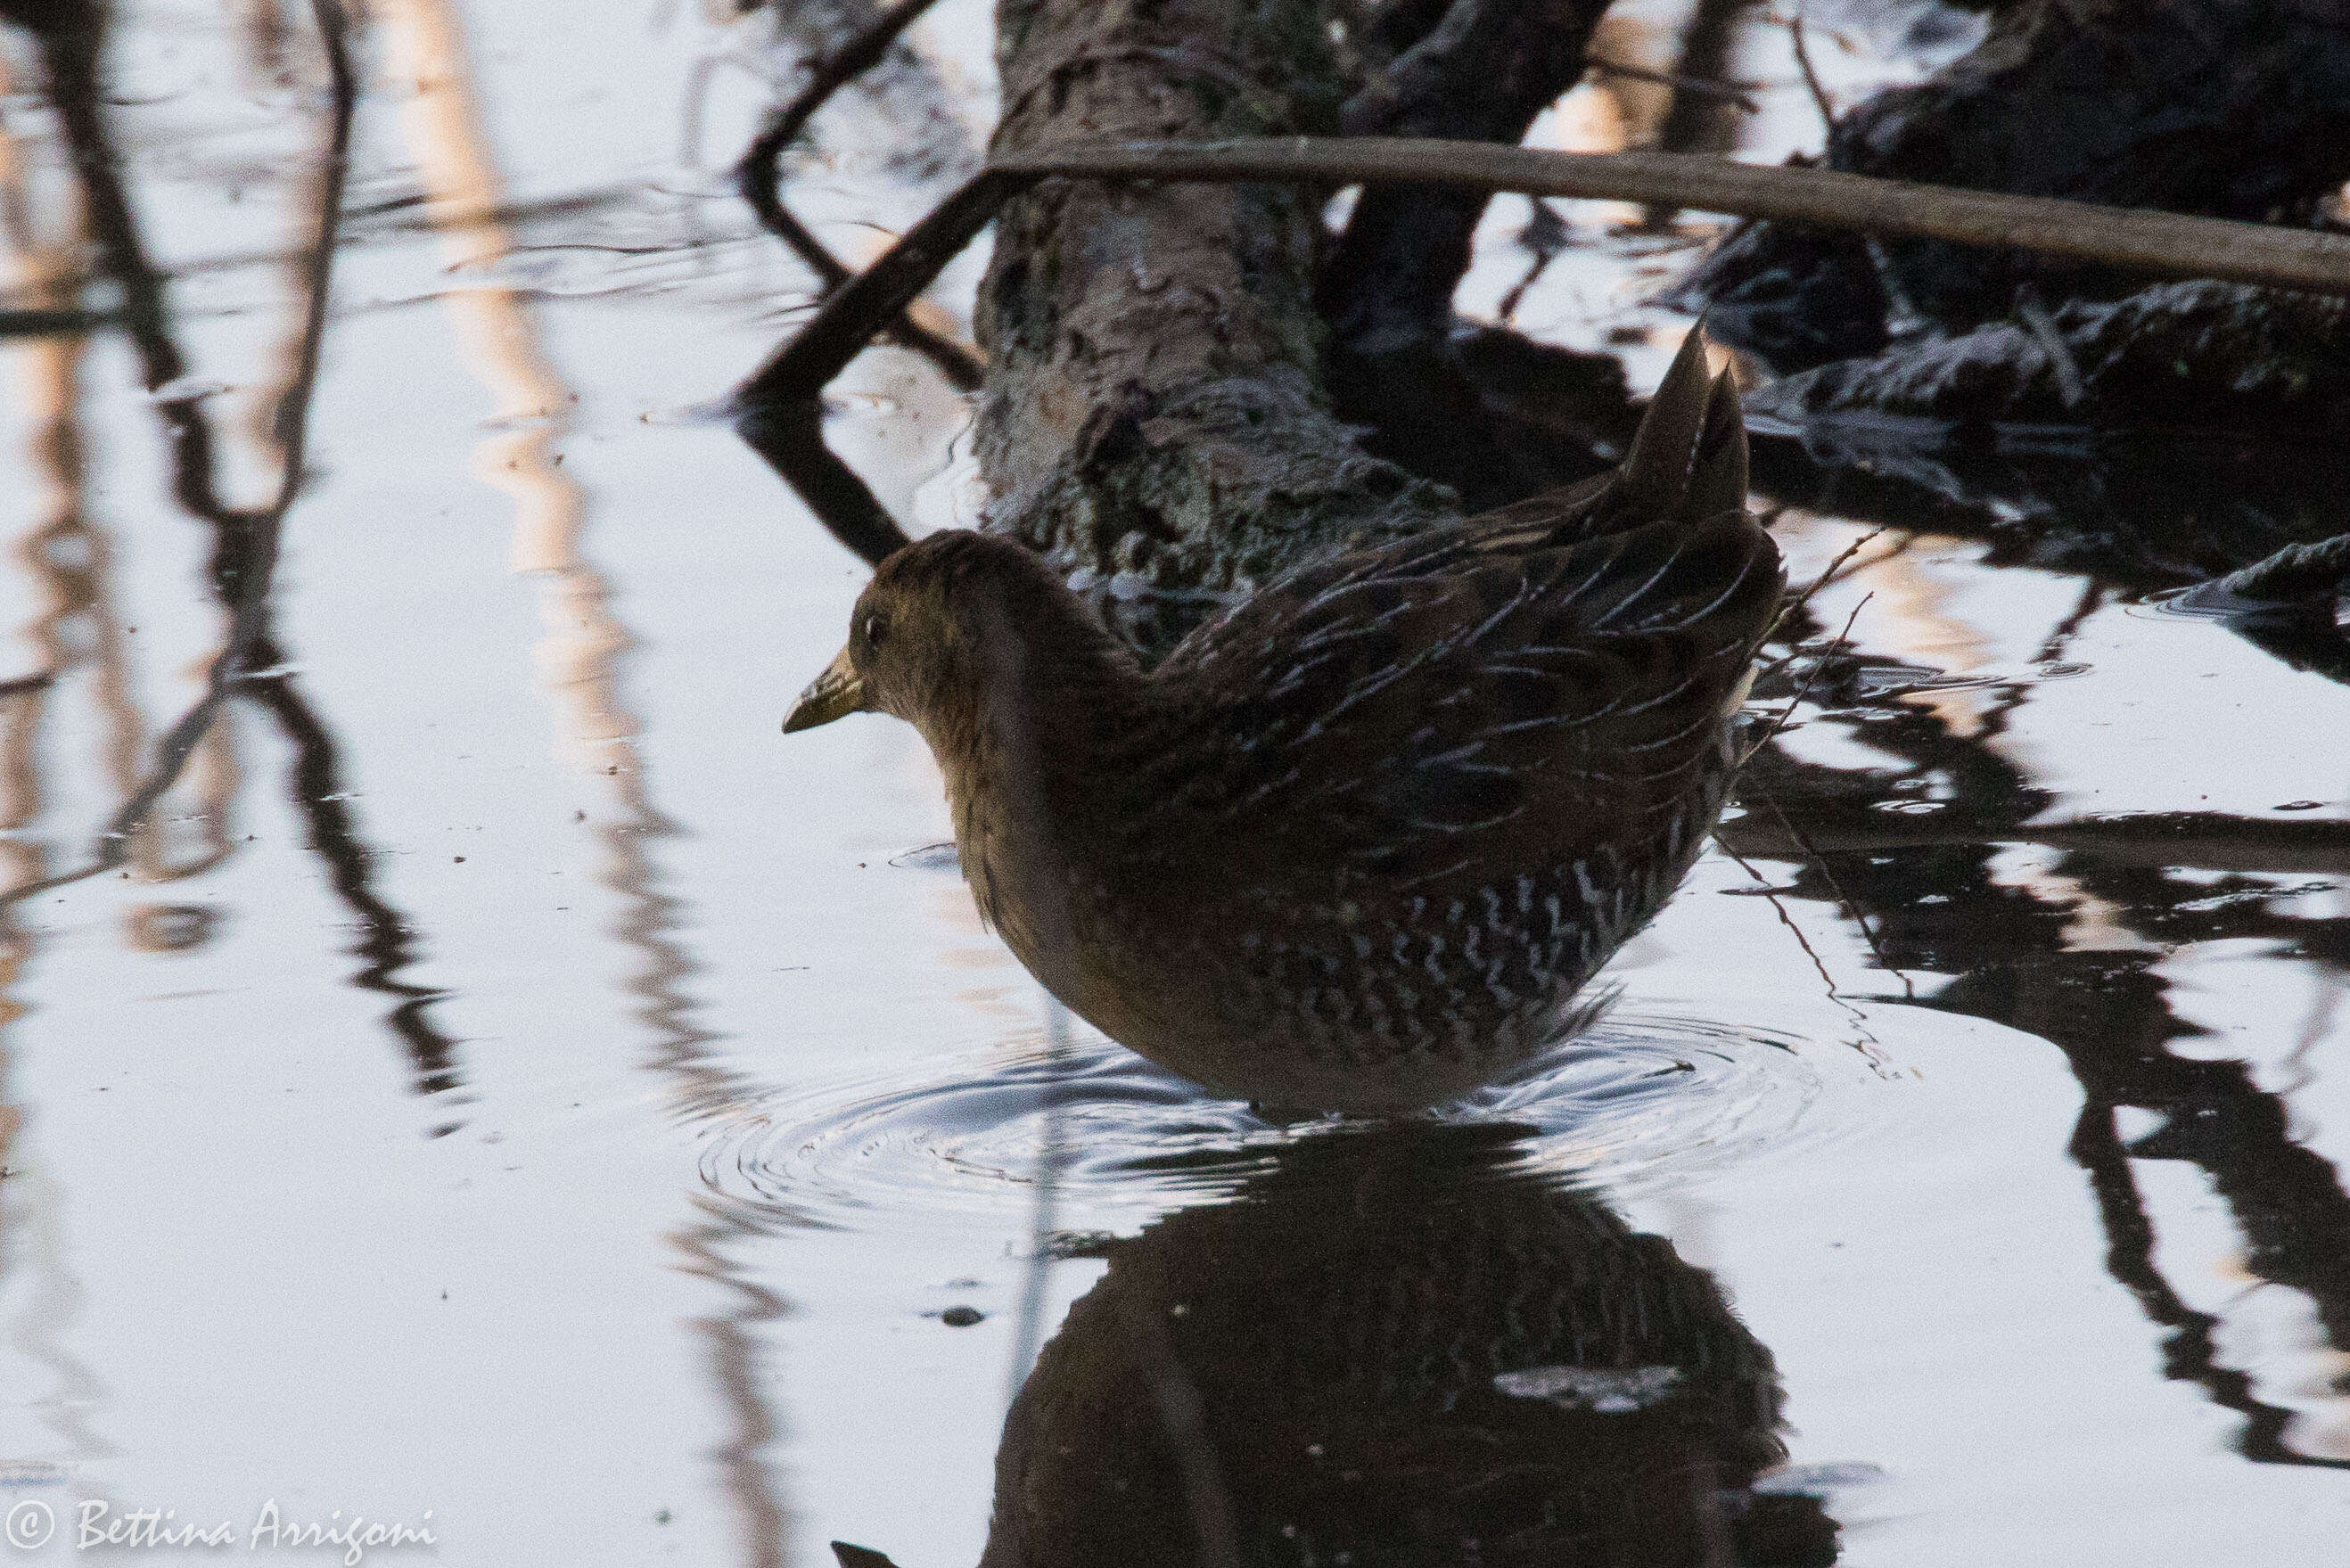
(513, 1084)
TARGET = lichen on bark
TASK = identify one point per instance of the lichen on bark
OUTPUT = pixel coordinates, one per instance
(1154, 416)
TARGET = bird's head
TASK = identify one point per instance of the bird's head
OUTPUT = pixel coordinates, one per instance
(919, 640)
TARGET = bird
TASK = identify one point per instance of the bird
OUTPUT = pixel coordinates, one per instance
(1355, 844)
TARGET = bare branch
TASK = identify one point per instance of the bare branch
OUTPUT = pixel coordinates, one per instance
(780, 413)
(1704, 86)
(757, 180)
(1794, 606)
(2169, 245)
(1803, 49)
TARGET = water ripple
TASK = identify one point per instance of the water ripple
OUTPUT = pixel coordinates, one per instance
(958, 1138)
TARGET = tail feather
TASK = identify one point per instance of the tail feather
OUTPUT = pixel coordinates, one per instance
(1656, 471)
(1718, 480)
(1688, 464)
(1689, 460)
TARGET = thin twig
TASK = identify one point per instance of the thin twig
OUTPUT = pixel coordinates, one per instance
(1772, 894)
(1903, 313)
(1904, 317)
(1028, 1330)
(1819, 863)
(1825, 578)
(1820, 99)
(1835, 570)
(758, 179)
(2070, 386)
(1183, 1422)
(1859, 1019)
(1704, 86)
(1809, 676)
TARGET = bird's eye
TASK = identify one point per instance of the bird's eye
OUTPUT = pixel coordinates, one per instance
(876, 628)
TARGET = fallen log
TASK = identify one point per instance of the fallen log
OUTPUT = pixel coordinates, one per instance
(1218, 387)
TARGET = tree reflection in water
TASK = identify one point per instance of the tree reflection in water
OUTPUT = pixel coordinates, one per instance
(2069, 952)
(72, 38)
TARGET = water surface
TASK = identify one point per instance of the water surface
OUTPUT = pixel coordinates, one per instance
(509, 1082)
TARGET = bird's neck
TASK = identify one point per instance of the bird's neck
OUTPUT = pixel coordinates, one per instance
(1052, 704)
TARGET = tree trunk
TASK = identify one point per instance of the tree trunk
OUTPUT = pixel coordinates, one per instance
(1154, 416)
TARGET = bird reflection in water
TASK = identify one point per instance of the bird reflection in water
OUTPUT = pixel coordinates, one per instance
(1398, 1347)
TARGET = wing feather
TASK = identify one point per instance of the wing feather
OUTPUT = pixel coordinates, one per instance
(1555, 673)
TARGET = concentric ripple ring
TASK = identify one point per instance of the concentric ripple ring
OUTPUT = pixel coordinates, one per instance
(969, 1136)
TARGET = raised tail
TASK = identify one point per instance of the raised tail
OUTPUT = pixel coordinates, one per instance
(1689, 460)
(1671, 543)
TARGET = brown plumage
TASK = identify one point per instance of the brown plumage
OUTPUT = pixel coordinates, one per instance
(1356, 841)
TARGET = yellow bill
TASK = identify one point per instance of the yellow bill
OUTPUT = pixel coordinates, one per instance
(830, 695)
